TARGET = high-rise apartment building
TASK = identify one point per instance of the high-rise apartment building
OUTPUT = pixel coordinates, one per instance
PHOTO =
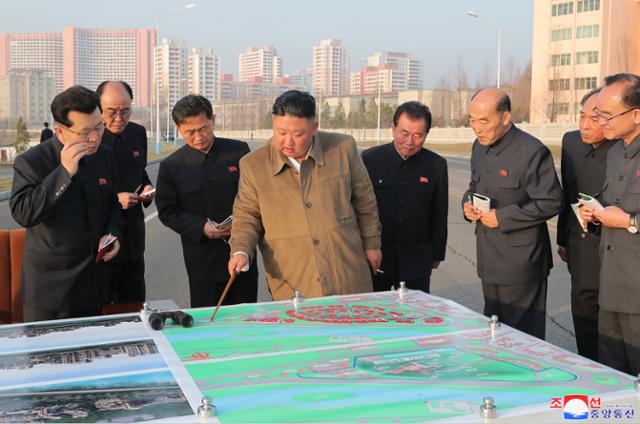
(330, 68)
(26, 95)
(33, 50)
(204, 73)
(261, 63)
(95, 55)
(85, 57)
(171, 70)
(576, 43)
(408, 67)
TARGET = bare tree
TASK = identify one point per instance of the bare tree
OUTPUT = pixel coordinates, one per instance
(460, 77)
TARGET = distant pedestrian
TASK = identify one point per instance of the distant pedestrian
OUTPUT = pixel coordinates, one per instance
(46, 133)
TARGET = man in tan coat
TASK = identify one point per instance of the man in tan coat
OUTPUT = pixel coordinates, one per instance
(306, 199)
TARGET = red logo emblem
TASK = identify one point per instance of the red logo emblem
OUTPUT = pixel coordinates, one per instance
(424, 180)
(232, 169)
(595, 403)
(136, 154)
(102, 181)
(504, 173)
(556, 403)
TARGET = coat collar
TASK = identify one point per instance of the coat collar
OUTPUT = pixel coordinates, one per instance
(279, 161)
(504, 141)
(632, 149)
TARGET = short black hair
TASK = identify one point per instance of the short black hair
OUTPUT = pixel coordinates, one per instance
(631, 94)
(295, 103)
(74, 99)
(190, 106)
(46, 125)
(504, 102)
(415, 111)
(103, 84)
(589, 95)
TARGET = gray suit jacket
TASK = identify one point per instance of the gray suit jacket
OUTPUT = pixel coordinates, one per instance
(619, 249)
(517, 173)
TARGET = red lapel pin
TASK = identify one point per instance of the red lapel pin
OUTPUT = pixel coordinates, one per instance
(232, 169)
(102, 181)
(504, 173)
(424, 180)
(136, 154)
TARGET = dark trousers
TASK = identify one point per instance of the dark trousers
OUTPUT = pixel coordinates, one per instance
(382, 283)
(31, 313)
(520, 306)
(584, 308)
(619, 341)
(125, 281)
(207, 293)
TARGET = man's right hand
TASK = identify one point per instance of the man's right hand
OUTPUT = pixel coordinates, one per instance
(562, 252)
(128, 200)
(71, 154)
(237, 263)
(472, 213)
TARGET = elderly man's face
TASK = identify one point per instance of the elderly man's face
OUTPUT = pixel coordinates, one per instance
(616, 118)
(409, 135)
(293, 136)
(116, 107)
(591, 131)
(487, 123)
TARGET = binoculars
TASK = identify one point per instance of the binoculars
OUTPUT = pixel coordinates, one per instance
(157, 319)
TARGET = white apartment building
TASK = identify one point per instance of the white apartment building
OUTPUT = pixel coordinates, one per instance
(330, 68)
(204, 73)
(260, 63)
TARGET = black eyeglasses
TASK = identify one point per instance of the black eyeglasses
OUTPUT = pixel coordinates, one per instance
(603, 119)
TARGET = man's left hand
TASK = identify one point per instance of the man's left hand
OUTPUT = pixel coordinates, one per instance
(489, 219)
(149, 197)
(612, 217)
(374, 256)
(113, 249)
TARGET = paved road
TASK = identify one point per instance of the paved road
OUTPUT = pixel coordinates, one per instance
(456, 278)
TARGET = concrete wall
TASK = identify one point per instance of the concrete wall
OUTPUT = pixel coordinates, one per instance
(550, 134)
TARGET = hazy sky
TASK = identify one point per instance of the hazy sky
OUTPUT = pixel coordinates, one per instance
(437, 31)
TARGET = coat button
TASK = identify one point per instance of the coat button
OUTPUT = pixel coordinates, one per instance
(308, 205)
(620, 177)
(608, 247)
(316, 242)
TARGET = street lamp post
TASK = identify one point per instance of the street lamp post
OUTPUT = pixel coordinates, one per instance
(379, 104)
(157, 70)
(378, 75)
(475, 15)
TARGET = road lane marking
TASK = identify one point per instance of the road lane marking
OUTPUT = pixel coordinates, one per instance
(150, 217)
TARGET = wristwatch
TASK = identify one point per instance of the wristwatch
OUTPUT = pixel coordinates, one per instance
(633, 224)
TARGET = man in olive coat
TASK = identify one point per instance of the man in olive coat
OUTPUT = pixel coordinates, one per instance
(306, 199)
(515, 171)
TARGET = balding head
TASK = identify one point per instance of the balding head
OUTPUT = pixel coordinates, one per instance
(115, 99)
(490, 115)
